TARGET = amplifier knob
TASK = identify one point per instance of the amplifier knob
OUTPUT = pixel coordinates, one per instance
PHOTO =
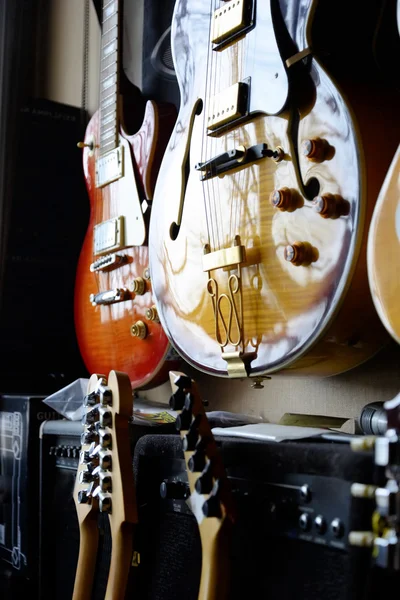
(337, 528)
(305, 493)
(320, 524)
(304, 522)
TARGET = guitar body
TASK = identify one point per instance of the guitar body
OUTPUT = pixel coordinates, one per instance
(384, 251)
(273, 315)
(104, 331)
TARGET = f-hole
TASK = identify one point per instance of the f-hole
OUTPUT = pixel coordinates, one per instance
(311, 188)
(176, 225)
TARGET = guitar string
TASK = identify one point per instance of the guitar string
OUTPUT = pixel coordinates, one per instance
(213, 145)
(203, 151)
(218, 144)
(205, 141)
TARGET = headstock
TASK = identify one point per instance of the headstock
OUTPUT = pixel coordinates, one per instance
(210, 495)
(104, 482)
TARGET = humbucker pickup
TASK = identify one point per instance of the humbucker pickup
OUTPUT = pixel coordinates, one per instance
(231, 20)
(109, 235)
(110, 167)
(227, 106)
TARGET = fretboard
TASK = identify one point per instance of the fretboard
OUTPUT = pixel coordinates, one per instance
(109, 63)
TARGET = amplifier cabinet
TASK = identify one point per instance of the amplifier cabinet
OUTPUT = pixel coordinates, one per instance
(295, 513)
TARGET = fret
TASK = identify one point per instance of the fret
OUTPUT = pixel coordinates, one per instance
(108, 48)
(110, 23)
(108, 71)
(110, 36)
(107, 118)
(109, 101)
(109, 108)
(107, 131)
(108, 143)
(111, 59)
(109, 81)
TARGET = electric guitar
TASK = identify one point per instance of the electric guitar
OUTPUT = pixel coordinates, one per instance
(104, 483)
(258, 259)
(116, 320)
(384, 246)
(210, 495)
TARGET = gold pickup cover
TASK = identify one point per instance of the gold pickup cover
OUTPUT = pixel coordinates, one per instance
(225, 106)
(227, 20)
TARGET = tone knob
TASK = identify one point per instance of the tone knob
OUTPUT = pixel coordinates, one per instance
(138, 286)
(152, 314)
(174, 490)
(305, 493)
(331, 206)
(315, 149)
(300, 254)
(139, 330)
(283, 199)
(304, 521)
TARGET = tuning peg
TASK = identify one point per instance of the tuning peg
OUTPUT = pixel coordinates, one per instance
(92, 464)
(212, 506)
(105, 417)
(105, 439)
(175, 490)
(105, 481)
(183, 420)
(197, 461)
(83, 497)
(105, 460)
(90, 416)
(191, 438)
(86, 476)
(91, 399)
(183, 382)
(88, 436)
(204, 483)
(177, 400)
(105, 395)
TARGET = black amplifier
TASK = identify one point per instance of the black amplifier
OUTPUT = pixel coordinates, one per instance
(295, 505)
(20, 421)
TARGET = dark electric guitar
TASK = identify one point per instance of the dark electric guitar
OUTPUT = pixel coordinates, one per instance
(116, 320)
(258, 258)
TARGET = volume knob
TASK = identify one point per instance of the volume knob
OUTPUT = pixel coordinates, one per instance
(139, 330)
(315, 149)
(300, 254)
(283, 199)
(331, 206)
(138, 286)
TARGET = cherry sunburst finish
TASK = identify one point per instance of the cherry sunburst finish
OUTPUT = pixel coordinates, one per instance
(116, 323)
(259, 258)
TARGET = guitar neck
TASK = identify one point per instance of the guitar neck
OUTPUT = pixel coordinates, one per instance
(210, 495)
(109, 74)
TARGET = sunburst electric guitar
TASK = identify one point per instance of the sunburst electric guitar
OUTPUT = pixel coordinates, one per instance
(210, 494)
(116, 321)
(104, 483)
(258, 259)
